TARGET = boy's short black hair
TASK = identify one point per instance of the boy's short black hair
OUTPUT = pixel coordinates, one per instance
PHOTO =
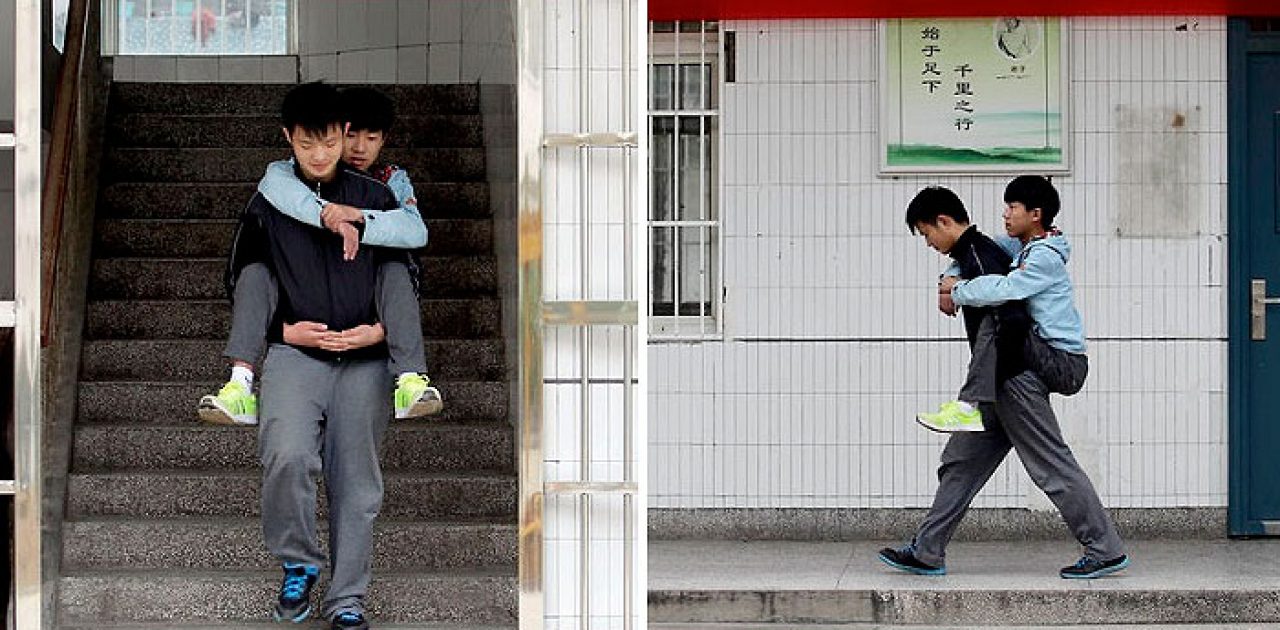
(315, 107)
(368, 109)
(1034, 191)
(934, 202)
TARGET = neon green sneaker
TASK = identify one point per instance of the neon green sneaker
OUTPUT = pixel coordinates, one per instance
(234, 405)
(952, 418)
(415, 397)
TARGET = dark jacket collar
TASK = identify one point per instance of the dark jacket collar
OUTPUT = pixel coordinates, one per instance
(344, 170)
(963, 242)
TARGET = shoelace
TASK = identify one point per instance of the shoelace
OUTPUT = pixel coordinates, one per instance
(1082, 562)
(413, 378)
(294, 585)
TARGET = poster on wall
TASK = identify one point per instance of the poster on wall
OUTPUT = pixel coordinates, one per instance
(972, 95)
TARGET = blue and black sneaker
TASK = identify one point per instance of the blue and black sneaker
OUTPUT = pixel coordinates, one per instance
(295, 592)
(905, 559)
(1087, 568)
(349, 620)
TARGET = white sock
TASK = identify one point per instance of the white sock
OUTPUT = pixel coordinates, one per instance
(964, 406)
(242, 375)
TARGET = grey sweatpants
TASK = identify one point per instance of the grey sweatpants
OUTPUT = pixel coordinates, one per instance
(257, 295)
(1023, 420)
(980, 382)
(1061, 371)
(323, 417)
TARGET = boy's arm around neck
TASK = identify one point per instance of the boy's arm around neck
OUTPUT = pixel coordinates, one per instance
(282, 189)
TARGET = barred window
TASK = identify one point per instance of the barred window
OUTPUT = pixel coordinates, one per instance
(202, 27)
(684, 212)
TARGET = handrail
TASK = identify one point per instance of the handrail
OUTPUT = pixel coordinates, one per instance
(66, 106)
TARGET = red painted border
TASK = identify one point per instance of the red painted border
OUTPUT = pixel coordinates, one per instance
(775, 9)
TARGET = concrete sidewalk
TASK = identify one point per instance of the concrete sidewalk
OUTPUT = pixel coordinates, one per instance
(988, 583)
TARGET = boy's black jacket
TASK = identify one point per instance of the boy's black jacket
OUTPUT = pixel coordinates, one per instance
(978, 255)
(316, 284)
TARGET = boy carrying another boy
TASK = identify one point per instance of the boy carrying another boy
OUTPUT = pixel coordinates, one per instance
(996, 333)
(370, 115)
(1022, 417)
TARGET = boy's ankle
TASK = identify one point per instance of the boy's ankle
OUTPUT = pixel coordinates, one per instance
(242, 374)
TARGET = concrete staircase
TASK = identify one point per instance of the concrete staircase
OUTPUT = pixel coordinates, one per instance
(161, 515)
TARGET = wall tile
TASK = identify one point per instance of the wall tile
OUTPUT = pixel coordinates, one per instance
(445, 21)
(353, 67)
(382, 65)
(444, 63)
(411, 64)
(412, 22)
(240, 69)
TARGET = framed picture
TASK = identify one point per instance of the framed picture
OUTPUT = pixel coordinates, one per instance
(973, 95)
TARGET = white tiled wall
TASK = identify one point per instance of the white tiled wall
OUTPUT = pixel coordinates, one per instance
(575, 181)
(364, 41)
(832, 337)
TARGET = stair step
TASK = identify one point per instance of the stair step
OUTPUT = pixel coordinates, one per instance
(165, 200)
(264, 130)
(178, 493)
(211, 319)
(236, 543)
(246, 165)
(174, 403)
(417, 446)
(204, 624)
(473, 597)
(230, 98)
(201, 360)
(203, 278)
(213, 237)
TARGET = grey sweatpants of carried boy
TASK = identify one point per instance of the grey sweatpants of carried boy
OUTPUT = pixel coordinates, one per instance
(1024, 421)
(257, 294)
(1061, 371)
(325, 417)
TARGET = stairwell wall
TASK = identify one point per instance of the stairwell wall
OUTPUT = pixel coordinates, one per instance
(363, 41)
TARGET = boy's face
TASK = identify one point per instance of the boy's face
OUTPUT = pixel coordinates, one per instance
(1019, 222)
(317, 155)
(942, 235)
(362, 147)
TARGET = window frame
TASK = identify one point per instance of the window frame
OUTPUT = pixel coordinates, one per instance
(692, 48)
(110, 27)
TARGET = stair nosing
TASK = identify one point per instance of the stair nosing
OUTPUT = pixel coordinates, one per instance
(450, 521)
(185, 474)
(485, 571)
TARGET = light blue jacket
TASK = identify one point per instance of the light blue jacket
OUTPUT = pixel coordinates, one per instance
(1039, 276)
(402, 228)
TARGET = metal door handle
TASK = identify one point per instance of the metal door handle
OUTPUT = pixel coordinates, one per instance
(1258, 303)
